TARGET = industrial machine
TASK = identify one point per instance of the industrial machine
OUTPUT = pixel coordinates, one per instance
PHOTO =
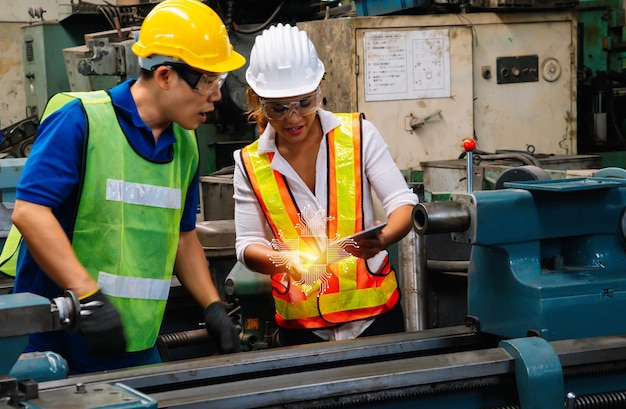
(543, 274)
(429, 80)
(540, 331)
(536, 266)
(601, 84)
(23, 314)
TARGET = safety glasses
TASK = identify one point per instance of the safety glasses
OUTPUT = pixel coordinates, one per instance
(279, 109)
(203, 84)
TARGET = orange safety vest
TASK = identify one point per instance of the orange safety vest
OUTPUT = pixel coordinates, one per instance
(346, 290)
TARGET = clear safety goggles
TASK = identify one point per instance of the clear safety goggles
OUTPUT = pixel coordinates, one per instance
(278, 109)
(203, 84)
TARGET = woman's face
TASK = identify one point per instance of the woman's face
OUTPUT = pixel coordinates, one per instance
(293, 118)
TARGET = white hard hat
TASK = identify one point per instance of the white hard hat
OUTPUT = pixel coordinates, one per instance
(283, 63)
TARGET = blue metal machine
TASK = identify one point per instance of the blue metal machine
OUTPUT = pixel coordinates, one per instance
(547, 260)
(548, 257)
(22, 314)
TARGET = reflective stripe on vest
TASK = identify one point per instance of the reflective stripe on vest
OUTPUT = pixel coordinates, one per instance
(273, 195)
(349, 291)
(134, 287)
(142, 194)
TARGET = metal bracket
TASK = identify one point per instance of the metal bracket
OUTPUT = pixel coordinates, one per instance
(538, 373)
(109, 58)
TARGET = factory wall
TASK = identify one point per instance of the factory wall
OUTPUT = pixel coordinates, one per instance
(17, 10)
(13, 15)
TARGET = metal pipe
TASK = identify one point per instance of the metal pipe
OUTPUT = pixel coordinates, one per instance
(470, 172)
(412, 279)
(421, 279)
(441, 217)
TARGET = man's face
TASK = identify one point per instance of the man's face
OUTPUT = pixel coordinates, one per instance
(192, 94)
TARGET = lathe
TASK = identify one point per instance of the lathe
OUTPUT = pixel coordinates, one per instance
(546, 274)
(547, 256)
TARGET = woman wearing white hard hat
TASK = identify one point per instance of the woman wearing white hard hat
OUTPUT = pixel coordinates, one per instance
(304, 188)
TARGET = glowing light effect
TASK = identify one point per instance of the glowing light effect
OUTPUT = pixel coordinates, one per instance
(311, 252)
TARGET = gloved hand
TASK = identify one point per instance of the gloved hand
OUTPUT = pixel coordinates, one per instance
(221, 328)
(101, 325)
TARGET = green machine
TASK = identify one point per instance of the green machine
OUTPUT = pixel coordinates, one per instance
(601, 81)
(44, 74)
(44, 66)
(44, 69)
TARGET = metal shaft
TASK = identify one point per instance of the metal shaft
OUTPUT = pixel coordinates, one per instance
(441, 217)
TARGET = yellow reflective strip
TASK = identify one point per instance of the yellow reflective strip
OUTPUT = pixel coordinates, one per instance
(338, 302)
(296, 310)
(344, 171)
(346, 193)
(270, 195)
(358, 299)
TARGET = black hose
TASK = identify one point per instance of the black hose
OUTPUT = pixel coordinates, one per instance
(265, 24)
(184, 338)
(524, 158)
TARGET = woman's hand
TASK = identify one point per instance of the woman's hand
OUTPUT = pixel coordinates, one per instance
(367, 248)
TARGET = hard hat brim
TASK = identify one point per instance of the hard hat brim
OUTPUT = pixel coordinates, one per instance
(234, 62)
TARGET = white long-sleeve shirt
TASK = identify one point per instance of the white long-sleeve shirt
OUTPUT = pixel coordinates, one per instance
(381, 175)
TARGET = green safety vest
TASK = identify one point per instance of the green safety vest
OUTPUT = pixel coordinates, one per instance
(128, 220)
(8, 257)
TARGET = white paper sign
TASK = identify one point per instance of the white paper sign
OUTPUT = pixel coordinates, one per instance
(407, 64)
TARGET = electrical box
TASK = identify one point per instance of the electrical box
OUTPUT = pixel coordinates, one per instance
(42, 56)
(429, 81)
(44, 69)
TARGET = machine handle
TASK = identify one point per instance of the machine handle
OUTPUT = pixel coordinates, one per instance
(66, 310)
(469, 144)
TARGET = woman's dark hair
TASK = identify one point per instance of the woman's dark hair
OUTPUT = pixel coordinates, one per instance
(254, 113)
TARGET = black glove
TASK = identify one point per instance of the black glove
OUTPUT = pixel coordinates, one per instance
(221, 328)
(101, 326)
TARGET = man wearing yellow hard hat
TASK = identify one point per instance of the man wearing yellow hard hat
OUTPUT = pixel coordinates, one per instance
(107, 201)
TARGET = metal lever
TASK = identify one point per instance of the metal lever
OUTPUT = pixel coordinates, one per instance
(418, 122)
(469, 144)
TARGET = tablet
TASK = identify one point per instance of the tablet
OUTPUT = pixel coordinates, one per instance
(367, 233)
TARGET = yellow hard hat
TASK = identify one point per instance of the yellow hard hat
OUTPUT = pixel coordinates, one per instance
(186, 30)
